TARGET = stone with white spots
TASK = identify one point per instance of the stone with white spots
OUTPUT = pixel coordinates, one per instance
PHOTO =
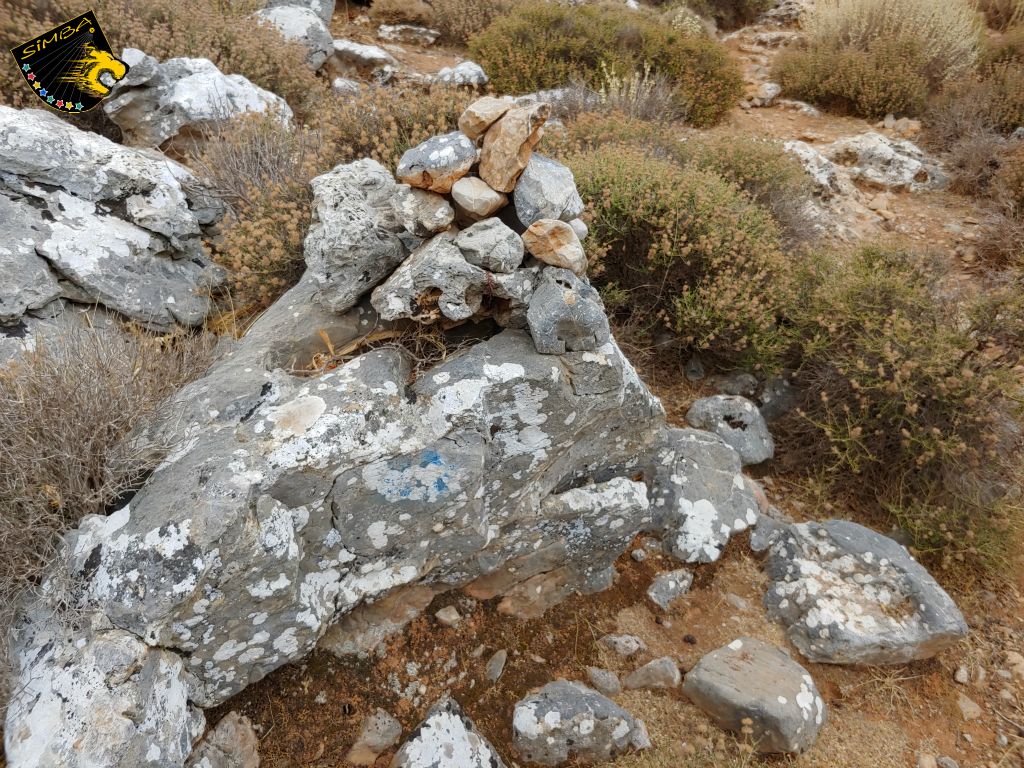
(567, 720)
(737, 421)
(408, 33)
(304, 26)
(447, 738)
(660, 673)
(623, 645)
(754, 688)
(699, 494)
(849, 595)
(437, 163)
(466, 73)
(669, 587)
(349, 58)
(378, 733)
(422, 213)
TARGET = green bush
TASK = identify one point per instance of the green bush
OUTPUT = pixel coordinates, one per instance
(548, 45)
(682, 249)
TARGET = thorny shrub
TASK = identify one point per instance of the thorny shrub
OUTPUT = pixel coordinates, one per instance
(546, 45)
(402, 12)
(684, 250)
(459, 20)
(1000, 14)
(66, 408)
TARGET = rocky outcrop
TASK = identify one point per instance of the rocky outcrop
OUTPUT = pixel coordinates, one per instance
(737, 421)
(304, 26)
(98, 223)
(182, 99)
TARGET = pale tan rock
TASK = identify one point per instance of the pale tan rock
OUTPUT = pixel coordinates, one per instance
(482, 114)
(380, 732)
(554, 242)
(509, 143)
(232, 743)
(969, 708)
(1015, 661)
(473, 197)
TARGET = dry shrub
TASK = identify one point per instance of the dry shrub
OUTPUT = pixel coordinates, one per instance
(402, 12)
(974, 161)
(731, 14)
(65, 410)
(1007, 47)
(546, 45)
(1002, 243)
(643, 95)
(1000, 14)
(459, 20)
(1001, 95)
(683, 250)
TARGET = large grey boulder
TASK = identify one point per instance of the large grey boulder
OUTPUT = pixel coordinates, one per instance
(878, 161)
(566, 314)
(351, 58)
(737, 421)
(185, 97)
(446, 737)
(303, 25)
(848, 595)
(546, 190)
(751, 687)
(491, 245)
(113, 225)
(566, 720)
(322, 8)
(353, 241)
(699, 495)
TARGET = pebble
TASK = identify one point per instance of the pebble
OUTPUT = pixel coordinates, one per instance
(449, 616)
(969, 708)
(639, 555)
(961, 675)
(496, 665)
(947, 762)
(660, 673)
(623, 645)
(604, 681)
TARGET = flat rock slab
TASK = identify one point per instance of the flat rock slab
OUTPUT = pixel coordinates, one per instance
(445, 739)
(849, 595)
(749, 684)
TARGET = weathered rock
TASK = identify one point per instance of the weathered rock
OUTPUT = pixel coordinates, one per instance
(566, 720)
(422, 213)
(344, 86)
(566, 314)
(365, 628)
(438, 162)
(475, 199)
(435, 281)
(848, 595)
(508, 145)
(496, 665)
(322, 8)
(604, 680)
(231, 744)
(546, 190)
(698, 493)
(736, 383)
(623, 645)
(378, 733)
(660, 673)
(751, 687)
(580, 228)
(352, 243)
(185, 97)
(408, 33)
(115, 226)
(878, 161)
(828, 177)
(482, 114)
(104, 698)
(305, 27)
(554, 242)
(737, 421)
(668, 587)
(448, 616)
(351, 58)
(447, 737)
(491, 245)
(467, 73)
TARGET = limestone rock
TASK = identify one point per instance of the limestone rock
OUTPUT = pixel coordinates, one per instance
(379, 732)
(116, 226)
(421, 212)
(737, 421)
(365, 628)
(881, 162)
(668, 587)
(508, 145)
(753, 684)
(604, 680)
(408, 33)
(186, 96)
(435, 281)
(490, 245)
(438, 162)
(231, 744)
(554, 242)
(475, 199)
(352, 243)
(660, 673)
(579, 226)
(322, 8)
(467, 73)
(304, 26)
(482, 114)
(566, 720)
(546, 190)
(447, 737)
(351, 58)
(344, 86)
(848, 595)
(566, 314)
(623, 645)
(496, 665)
(700, 495)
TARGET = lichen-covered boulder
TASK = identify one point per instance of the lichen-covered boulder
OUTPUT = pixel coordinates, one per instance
(566, 314)
(737, 421)
(437, 163)
(848, 595)
(351, 58)
(303, 25)
(353, 241)
(110, 225)
(446, 737)
(467, 73)
(754, 688)
(566, 720)
(185, 97)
